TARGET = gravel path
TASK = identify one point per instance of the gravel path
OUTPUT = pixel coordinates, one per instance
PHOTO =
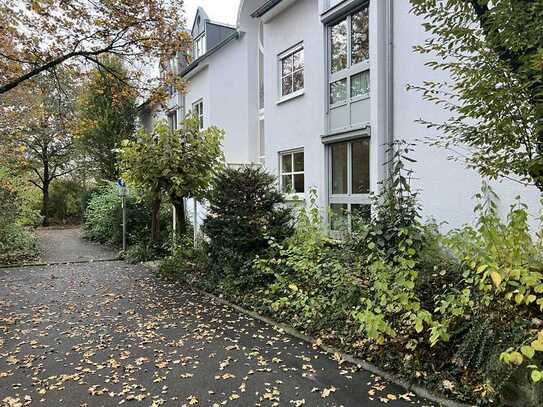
(109, 333)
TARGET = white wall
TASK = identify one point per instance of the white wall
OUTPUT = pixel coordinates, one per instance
(447, 187)
(228, 109)
(298, 122)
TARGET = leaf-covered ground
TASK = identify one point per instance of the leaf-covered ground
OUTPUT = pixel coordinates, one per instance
(109, 333)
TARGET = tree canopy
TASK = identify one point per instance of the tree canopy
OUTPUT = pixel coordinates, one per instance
(40, 35)
(39, 131)
(107, 114)
(493, 52)
(180, 163)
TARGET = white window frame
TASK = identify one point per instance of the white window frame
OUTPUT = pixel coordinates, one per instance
(261, 76)
(285, 54)
(198, 109)
(349, 198)
(349, 71)
(172, 120)
(199, 46)
(291, 153)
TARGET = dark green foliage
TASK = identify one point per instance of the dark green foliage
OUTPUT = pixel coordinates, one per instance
(311, 279)
(16, 243)
(186, 261)
(103, 218)
(65, 201)
(395, 227)
(246, 211)
(107, 115)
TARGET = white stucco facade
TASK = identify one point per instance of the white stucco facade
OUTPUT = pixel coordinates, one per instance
(312, 119)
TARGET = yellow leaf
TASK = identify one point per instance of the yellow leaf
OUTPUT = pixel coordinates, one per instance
(496, 278)
(516, 358)
(538, 345)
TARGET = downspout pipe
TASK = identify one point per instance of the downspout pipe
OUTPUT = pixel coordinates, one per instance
(390, 82)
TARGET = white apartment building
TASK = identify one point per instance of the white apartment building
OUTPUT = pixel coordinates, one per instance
(314, 90)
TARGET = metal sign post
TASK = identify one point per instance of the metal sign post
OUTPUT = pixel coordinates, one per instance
(123, 193)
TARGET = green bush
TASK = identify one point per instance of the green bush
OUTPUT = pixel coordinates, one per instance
(65, 201)
(311, 281)
(186, 262)
(246, 212)
(16, 243)
(103, 219)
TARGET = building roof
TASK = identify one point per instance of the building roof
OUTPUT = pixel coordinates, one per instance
(263, 9)
(194, 64)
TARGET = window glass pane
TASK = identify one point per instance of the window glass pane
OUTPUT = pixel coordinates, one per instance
(299, 183)
(262, 139)
(261, 80)
(360, 37)
(338, 46)
(286, 163)
(287, 85)
(298, 60)
(360, 84)
(361, 166)
(287, 183)
(338, 91)
(298, 80)
(339, 168)
(338, 217)
(286, 64)
(298, 162)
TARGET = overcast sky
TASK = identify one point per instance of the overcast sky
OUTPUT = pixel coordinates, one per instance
(222, 11)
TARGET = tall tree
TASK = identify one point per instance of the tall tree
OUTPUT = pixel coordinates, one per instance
(107, 114)
(39, 35)
(39, 128)
(180, 163)
(493, 51)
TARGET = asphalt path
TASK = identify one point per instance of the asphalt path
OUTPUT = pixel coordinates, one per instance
(107, 333)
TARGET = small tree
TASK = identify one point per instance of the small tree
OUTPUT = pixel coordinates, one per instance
(180, 163)
(493, 51)
(106, 115)
(40, 128)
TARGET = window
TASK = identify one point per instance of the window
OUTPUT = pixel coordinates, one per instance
(199, 46)
(172, 120)
(292, 71)
(261, 67)
(198, 110)
(349, 174)
(348, 71)
(292, 172)
(261, 142)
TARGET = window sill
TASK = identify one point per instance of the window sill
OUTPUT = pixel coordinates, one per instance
(294, 95)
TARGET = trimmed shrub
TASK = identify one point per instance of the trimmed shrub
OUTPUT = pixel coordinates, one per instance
(246, 212)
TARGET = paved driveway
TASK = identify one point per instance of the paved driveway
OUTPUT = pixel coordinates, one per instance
(109, 333)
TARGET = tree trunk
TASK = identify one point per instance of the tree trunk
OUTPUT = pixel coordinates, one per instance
(155, 219)
(180, 220)
(45, 204)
